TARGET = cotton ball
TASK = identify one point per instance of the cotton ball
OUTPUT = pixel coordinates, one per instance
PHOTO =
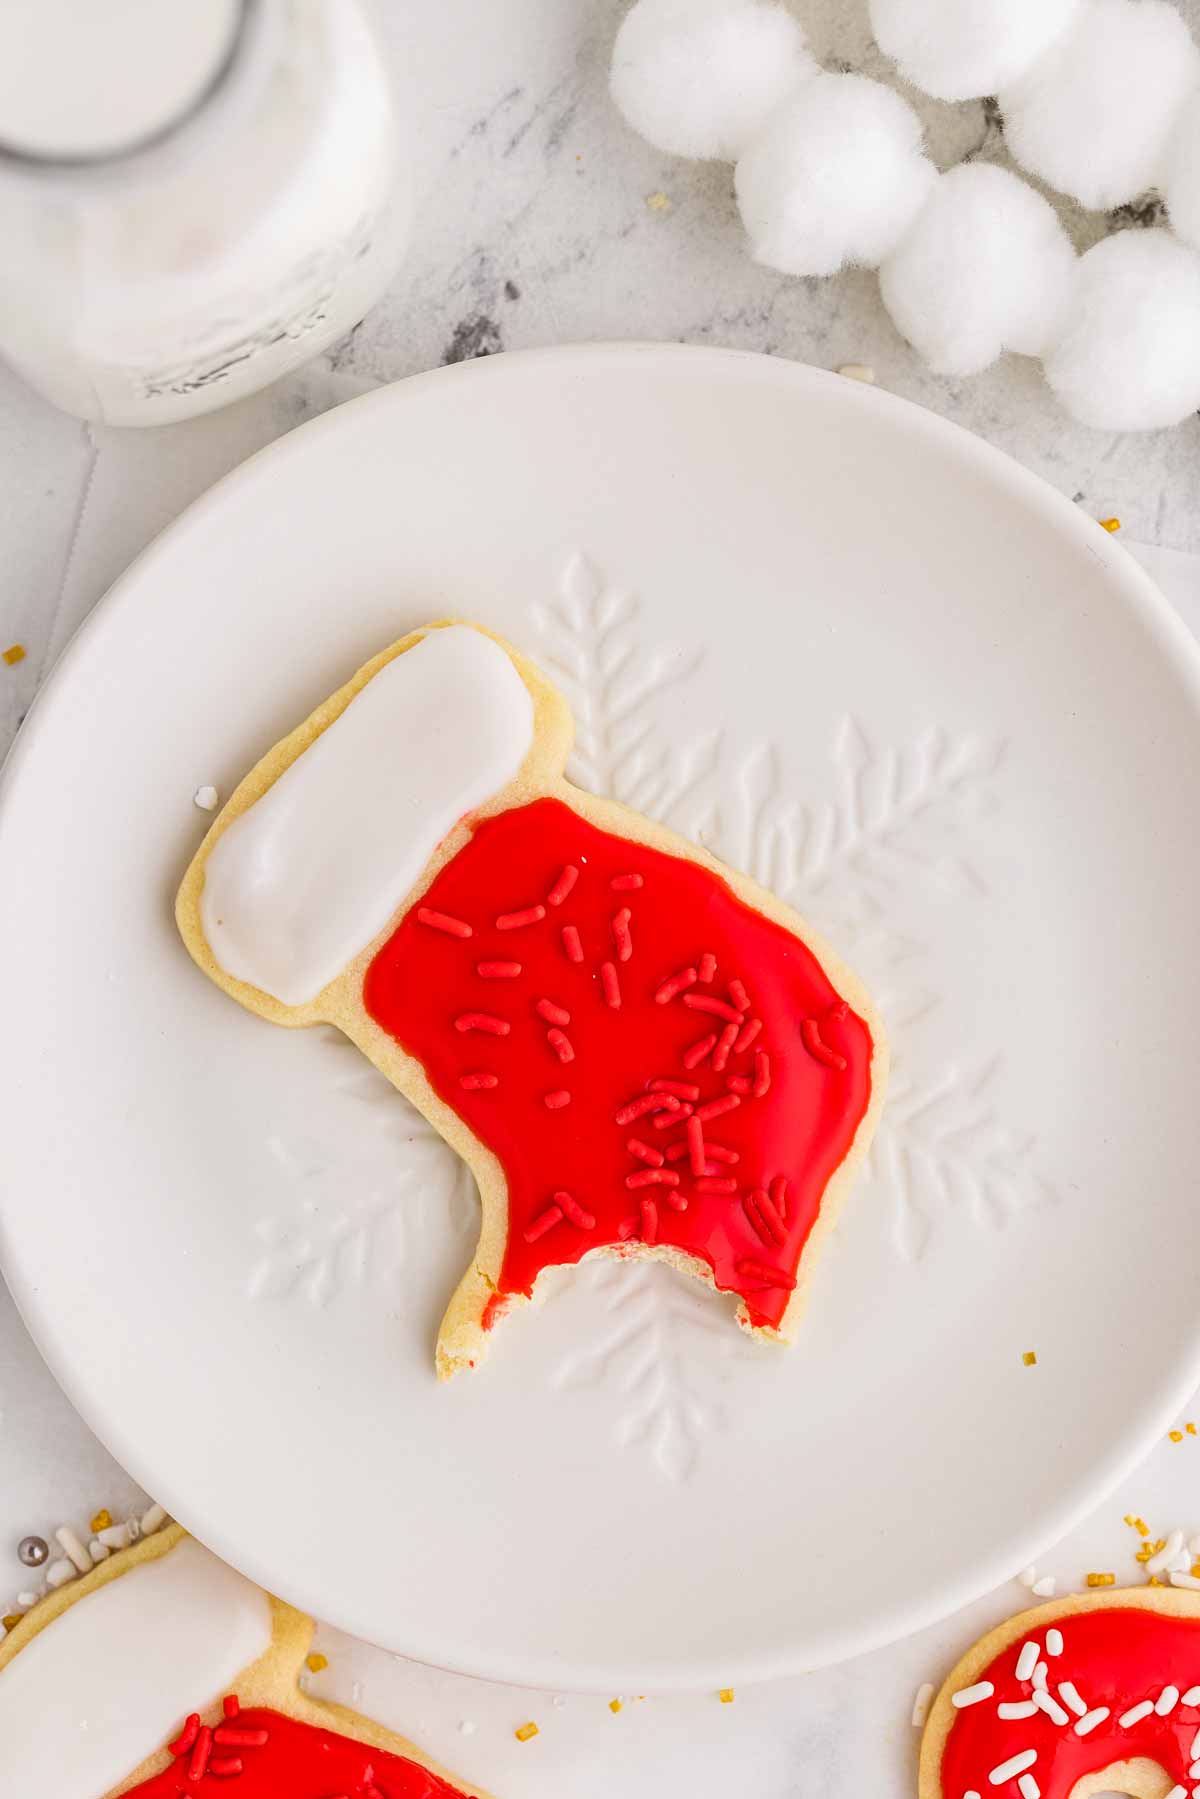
(986, 267)
(1093, 117)
(836, 176)
(1129, 357)
(698, 77)
(1181, 181)
(959, 49)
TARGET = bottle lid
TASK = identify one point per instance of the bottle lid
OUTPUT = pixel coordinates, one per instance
(81, 83)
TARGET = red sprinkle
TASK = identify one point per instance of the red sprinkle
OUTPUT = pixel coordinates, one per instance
(627, 1228)
(571, 943)
(200, 1753)
(676, 983)
(681, 1089)
(724, 1044)
(666, 1119)
(482, 1021)
(763, 1217)
(230, 1705)
(717, 1152)
(646, 1102)
(475, 1083)
(820, 1052)
(442, 921)
(575, 1212)
(498, 971)
(779, 1194)
(555, 1101)
(644, 1152)
(563, 885)
(675, 1200)
(721, 1185)
(728, 1102)
(545, 1221)
(224, 1766)
(708, 965)
(703, 1002)
(739, 1083)
(652, 1177)
(739, 996)
(553, 1014)
(626, 883)
(611, 986)
(839, 1011)
(187, 1736)
(240, 1738)
(767, 1276)
(622, 941)
(512, 921)
(750, 1031)
(762, 1073)
(695, 1143)
(649, 1213)
(696, 1054)
(560, 1043)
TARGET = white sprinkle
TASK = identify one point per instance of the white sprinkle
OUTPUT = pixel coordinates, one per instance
(466, 1728)
(1135, 1714)
(115, 1536)
(1167, 1553)
(1016, 1764)
(134, 1529)
(1039, 1675)
(1194, 1771)
(920, 1710)
(857, 371)
(1167, 1700)
(983, 1689)
(1194, 1545)
(558, 1701)
(1087, 1724)
(1177, 1792)
(1185, 1580)
(25, 1600)
(1017, 1708)
(205, 798)
(74, 1548)
(1044, 1588)
(1028, 1577)
(1192, 1696)
(153, 1520)
(1028, 1787)
(1194, 1751)
(971, 1795)
(97, 1551)
(1050, 1706)
(1179, 1563)
(1054, 1642)
(1068, 1692)
(1027, 1661)
(59, 1573)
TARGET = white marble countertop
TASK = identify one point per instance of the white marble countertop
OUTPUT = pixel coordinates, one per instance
(533, 227)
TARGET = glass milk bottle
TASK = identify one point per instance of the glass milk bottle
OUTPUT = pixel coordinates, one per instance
(195, 196)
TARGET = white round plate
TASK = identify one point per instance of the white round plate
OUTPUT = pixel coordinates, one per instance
(858, 653)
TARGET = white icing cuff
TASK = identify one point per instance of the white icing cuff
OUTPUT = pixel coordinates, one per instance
(102, 1687)
(304, 880)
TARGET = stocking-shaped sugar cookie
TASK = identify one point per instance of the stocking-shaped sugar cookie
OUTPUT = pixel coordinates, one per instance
(1096, 1693)
(162, 1673)
(636, 1049)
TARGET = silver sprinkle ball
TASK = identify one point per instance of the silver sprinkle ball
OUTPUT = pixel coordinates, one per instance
(33, 1551)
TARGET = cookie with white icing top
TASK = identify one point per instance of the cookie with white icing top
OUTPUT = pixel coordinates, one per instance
(163, 1673)
(1095, 1693)
(637, 1050)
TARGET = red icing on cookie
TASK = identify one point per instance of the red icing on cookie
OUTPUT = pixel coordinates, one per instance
(1116, 1660)
(261, 1754)
(633, 1039)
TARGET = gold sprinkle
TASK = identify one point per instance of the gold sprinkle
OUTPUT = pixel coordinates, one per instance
(1142, 1528)
(1176, 1436)
(102, 1521)
(614, 1705)
(1155, 1581)
(1110, 525)
(1196, 1570)
(12, 1620)
(316, 1663)
(1102, 1580)
(523, 1732)
(1161, 1544)
(1030, 1358)
(14, 653)
(726, 1695)
(1129, 1518)
(658, 202)
(1143, 1555)
(1190, 1429)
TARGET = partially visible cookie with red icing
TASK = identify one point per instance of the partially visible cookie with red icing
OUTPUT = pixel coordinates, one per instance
(637, 1049)
(165, 1675)
(1095, 1693)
